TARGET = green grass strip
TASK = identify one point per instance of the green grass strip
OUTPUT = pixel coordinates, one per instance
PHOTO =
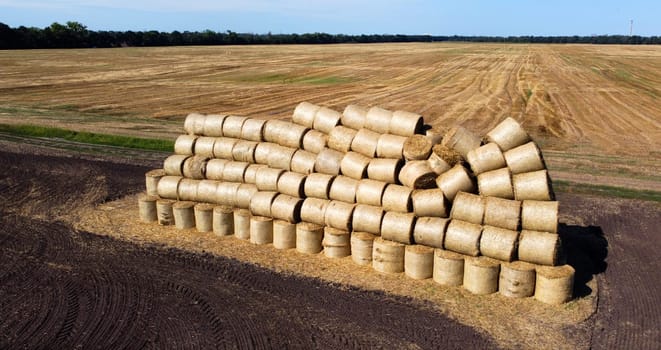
(88, 137)
(607, 191)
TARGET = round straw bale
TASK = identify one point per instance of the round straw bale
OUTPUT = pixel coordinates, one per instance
(434, 136)
(354, 165)
(243, 195)
(281, 157)
(207, 190)
(418, 261)
(383, 169)
(261, 230)
(226, 193)
(250, 176)
(405, 123)
(541, 248)
(232, 126)
(365, 142)
(273, 129)
(164, 212)
(326, 119)
(292, 136)
(463, 237)
(260, 203)
(367, 218)
(339, 215)
(517, 279)
(242, 224)
(195, 167)
(168, 186)
(314, 210)
(222, 148)
(304, 114)
(496, 183)
(503, 213)
(340, 138)
(481, 275)
(337, 243)
(461, 140)
(499, 243)
(318, 185)
(390, 146)
(438, 164)
(524, 159)
(431, 202)
(370, 192)
(417, 147)
(554, 285)
(485, 158)
(284, 234)
(184, 217)
(344, 189)
(234, 171)
(187, 190)
(174, 164)
(448, 155)
(292, 184)
(354, 117)
(152, 177)
(315, 141)
(398, 227)
(263, 152)
(215, 169)
(185, 144)
(267, 179)
(535, 185)
(244, 151)
(287, 208)
(253, 130)
(539, 216)
(203, 217)
(213, 125)
(302, 162)
(455, 180)
(309, 237)
(417, 174)
(204, 146)
(508, 134)
(448, 268)
(328, 161)
(223, 221)
(387, 256)
(191, 121)
(468, 207)
(397, 198)
(147, 208)
(200, 123)
(362, 244)
(430, 231)
(378, 120)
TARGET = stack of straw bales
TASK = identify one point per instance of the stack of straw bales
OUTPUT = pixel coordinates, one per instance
(376, 185)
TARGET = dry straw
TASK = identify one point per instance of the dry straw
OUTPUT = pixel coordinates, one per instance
(508, 134)
(286, 208)
(354, 116)
(517, 279)
(147, 208)
(417, 147)
(386, 170)
(215, 169)
(234, 171)
(398, 227)
(344, 189)
(430, 231)
(223, 146)
(272, 130)
(309, 237)
(387, 256)
(244, 194)
(540, 216)
(390, 146)
(503, 213)
(313, 210)
(174, 164)
(185, 144)
(253, 130)
(448, 268)
(152, 178)
(367, 218)
(541, 248)
(370, 192)
(448, 155)
(397, 198)
(195, 167)
(184, 216)
(455, 180)
(187, 190)
(406, 123)
(203, 217)
(304, 114)
(365, 142)
(417, 174)
(223, 221)
(242, 224)
(378, 120)
(340, 138)
(499, 243)
(212, 125)
(535, 185)
(418, 262)
(226, 193)
(244, 151)
(362, 244)
(284, 234)
(164, 212)
(496, 183)
(354, 165)
(232, 126)
(328, 161)
(431, 202)
(338, 215)
(292, 184)
(168, 186)
(261, 230)
(337, 243)
(250, 176)
(468, 207)
(206, 191)
(461, 140)
(463, 237)
(554, 285)
(292, 136)
(315, 141)
(326, 119)
(302, 162)
(485, 158)
(260, 203)
(267, 179)
(204, 146)
(524, 159)
(263, 152)
(481, 275)
(191, 121)
(318, 185)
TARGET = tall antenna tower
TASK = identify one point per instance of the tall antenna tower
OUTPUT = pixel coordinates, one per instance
(630, 27)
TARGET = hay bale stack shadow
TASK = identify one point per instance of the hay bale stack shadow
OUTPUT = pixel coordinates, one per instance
(586, 250)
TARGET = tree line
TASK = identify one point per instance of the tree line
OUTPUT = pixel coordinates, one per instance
(76, 35)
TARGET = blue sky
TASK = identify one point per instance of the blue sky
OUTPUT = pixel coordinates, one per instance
(469, 17)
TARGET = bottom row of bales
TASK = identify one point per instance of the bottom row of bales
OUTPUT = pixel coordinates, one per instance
(478, 275)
